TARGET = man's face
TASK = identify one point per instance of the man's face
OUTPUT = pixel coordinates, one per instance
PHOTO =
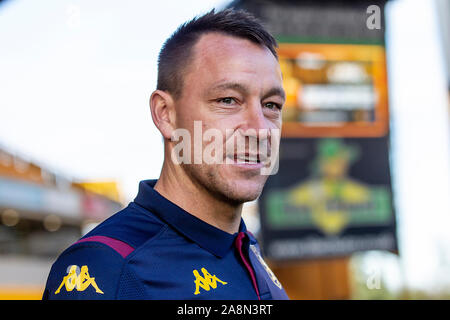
(231, 85)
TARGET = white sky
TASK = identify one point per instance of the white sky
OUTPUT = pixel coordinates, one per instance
(420, 140)
(75, 79)
(76, 76)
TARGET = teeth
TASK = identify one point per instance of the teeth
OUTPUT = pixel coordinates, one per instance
(248, 159)
(243, 158)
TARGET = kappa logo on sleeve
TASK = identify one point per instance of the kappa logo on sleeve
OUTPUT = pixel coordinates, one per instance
(79, 279)
(206, 282)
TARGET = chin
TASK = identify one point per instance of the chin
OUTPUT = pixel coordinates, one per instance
(241, 191)
(233, 187)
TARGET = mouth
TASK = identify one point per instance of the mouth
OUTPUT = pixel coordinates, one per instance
(247, 159)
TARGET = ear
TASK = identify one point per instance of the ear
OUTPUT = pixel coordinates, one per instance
(163, 112)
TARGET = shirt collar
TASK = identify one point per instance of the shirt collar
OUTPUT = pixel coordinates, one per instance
(216, 241)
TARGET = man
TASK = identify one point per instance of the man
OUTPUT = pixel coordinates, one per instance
(183, 236)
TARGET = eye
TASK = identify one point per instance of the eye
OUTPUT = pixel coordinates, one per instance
(272, 105)
(227, 100)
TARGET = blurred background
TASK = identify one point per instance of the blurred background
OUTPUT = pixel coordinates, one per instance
(360, 208)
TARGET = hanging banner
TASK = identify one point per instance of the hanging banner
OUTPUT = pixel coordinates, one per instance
(334, 90)
(331, 197)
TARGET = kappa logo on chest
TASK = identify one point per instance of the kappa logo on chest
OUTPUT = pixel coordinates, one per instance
(206, 282)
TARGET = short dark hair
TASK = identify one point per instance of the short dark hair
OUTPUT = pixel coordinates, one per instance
(176, 52)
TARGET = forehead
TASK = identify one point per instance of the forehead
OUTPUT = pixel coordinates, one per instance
(218, 57)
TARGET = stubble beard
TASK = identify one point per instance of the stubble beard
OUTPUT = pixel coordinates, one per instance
(208, 177)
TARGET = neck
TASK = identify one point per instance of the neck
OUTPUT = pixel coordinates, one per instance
(176, 186)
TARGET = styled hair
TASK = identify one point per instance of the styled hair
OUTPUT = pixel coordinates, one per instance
(176, 53)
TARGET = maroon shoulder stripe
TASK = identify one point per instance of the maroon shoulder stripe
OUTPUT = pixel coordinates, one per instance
(121, 247)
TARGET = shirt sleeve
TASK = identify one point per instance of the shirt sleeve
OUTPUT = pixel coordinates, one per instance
(85, 271)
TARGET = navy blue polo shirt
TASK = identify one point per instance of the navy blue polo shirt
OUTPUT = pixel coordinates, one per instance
(153, 249)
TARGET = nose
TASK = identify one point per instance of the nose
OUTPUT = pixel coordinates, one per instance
(255, 130)
(255, 119)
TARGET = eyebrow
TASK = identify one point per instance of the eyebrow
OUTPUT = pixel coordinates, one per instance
(275, 91)
(230, 85)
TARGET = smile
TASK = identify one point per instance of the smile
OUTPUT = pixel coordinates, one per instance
(248, 161)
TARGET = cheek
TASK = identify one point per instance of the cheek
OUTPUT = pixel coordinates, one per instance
(185, 121)
(275, 123)
(224, 127)
(188, 111)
